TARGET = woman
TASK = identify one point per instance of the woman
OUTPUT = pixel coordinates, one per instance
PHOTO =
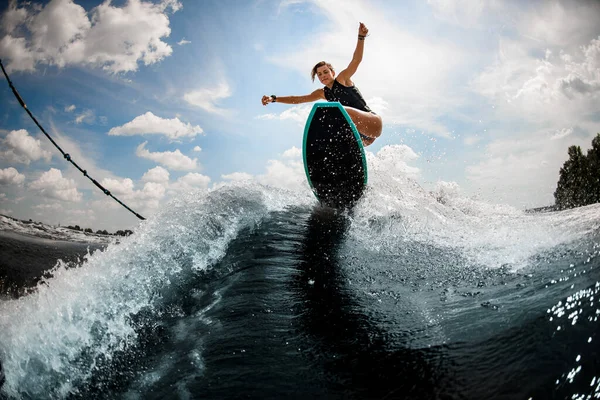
(342, 89)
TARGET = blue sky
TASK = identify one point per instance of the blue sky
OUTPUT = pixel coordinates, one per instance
(158, 98)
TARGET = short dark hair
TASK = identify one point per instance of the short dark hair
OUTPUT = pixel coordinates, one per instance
(320, 64)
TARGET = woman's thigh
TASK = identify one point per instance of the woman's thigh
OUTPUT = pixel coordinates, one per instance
(367, 123)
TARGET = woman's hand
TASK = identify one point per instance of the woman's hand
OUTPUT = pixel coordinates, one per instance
(363, 30)
(266, 100)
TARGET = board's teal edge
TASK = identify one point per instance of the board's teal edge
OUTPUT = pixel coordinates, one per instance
(354, 130)
(308, 121)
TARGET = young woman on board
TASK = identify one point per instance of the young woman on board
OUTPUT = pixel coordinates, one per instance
(342, 89)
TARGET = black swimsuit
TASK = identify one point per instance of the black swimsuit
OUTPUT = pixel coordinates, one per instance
(347, 96)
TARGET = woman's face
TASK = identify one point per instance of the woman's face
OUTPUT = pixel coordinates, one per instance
(325, 75)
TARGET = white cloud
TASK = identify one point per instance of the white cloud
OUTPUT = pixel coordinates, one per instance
(13, 17)
(148, 198)
(183, 41)
(152, 192)
(53, 207)
(471, 140)
(55, 26)
(60, 33)
(155, 188)
(156, 174)
(562, 133)
(171, 159)
(298, 114)
(51, 184)
(269, 116)
(378, 105)
(292, 153)
(189, 182)
(288, 175)
(564, 24)
(459, 12)
(197, 149)
(70, 108)
(119, 187)
(21, 148)
(286, 172)
(555, 88)
(549, 23)
(288, 4)
(174, 5)
(87, 116)
(16, 51)
(195, 179)
(150, 124)
(209, 98)
(238, 177)
(10, 176)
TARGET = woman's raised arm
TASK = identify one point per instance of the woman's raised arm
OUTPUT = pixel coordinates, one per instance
(314, 96)
(345, 76)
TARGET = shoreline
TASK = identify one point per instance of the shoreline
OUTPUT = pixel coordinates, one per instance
(65, 233)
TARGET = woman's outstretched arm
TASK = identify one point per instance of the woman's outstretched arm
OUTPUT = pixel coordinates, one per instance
(345, 76)
(314, 96)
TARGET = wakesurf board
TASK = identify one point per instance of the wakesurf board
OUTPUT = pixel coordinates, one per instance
(334, 157)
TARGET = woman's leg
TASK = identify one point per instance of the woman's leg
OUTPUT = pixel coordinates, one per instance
(367, 123)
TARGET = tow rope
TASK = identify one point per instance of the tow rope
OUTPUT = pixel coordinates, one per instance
(65, 155)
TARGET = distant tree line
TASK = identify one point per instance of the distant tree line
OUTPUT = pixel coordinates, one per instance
(126, 232)
(579, 180)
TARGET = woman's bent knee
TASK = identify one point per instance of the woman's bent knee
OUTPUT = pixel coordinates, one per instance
(368, 123)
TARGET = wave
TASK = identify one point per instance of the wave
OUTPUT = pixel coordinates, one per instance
(423, 264)
(61, 335)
